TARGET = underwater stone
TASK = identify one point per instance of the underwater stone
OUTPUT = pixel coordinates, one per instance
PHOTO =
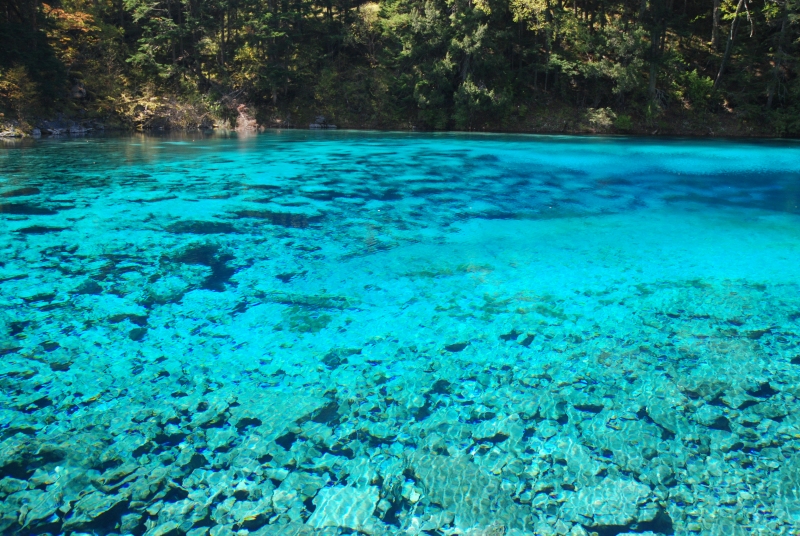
(10, 485)
(306, 484)
(222, 530)
(283, 218)
(251, 513)
(217, 438)
(346, 507)
(131, 523)
(288, 529)
(40, 229)
(703, 387)
(707, 415)
(318, 301)
(21, 192)
(432, 521)
(25, 209)
(459, 485)
(289, 276)
(770, 410)
(737, 399)
(662, 413)
(167, 289)
(212, 256)
(787, 484)
(39, 508)
(273, 413)
(632, 442)
(611, 502)
(89, 508)
(577, 457)
(169, 528)
(284, 498)
(336, 357)
(137, 334)
(200, 227)
(90, 287)
(547, 429)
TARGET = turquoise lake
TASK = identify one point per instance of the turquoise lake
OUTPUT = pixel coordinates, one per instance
(325, 333)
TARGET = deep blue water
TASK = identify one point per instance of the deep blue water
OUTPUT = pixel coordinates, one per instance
(375, 333)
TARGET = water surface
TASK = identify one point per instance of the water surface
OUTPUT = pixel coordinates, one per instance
(339, 333)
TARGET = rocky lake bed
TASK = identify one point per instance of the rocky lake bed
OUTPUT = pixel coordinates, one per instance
(324, 333)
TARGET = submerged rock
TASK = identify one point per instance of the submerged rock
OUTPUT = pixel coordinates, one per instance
(21, 192)
(465, 489)
(346, 507)
(200, 227)
(611, 502)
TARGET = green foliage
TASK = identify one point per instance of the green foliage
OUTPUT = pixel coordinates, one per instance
(19, 96)
(435, 64)
(474, 101)
(600, 119)
(623, 123)
(697, 88)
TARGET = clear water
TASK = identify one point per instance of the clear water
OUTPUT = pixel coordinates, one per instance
(363, 333)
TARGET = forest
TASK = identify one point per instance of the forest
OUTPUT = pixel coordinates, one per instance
(703, 67)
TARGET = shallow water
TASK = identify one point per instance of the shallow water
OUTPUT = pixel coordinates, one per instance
(339, 333)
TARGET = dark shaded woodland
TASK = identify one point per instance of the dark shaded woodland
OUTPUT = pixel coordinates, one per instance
(688, 66)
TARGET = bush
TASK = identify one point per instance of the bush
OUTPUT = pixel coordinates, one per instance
(623, 123)
(600, 119)
(19, 96)
(150, 110)
(475, 103)
(698, 89)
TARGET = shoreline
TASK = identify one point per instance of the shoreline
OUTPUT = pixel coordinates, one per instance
(113, 132)
(552, 121)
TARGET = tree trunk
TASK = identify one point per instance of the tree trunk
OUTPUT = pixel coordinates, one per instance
(33, 21)
(222, 40)
(715, 15)
(180, 28)
(602, 14)
(172, 41)
(728, 46)
(536, 59)
(658, 33)
(779, 56)
(651, 86)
